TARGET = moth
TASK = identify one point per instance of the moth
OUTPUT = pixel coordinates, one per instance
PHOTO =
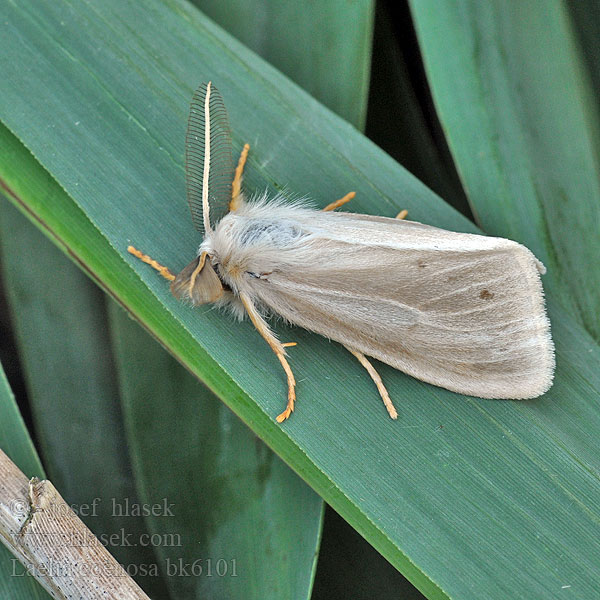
(461, 311)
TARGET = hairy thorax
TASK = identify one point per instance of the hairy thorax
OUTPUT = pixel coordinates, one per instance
(243, 247)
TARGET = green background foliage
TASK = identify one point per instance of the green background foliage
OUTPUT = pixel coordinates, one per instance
(466, 498)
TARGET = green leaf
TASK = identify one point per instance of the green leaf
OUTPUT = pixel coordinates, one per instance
(59, 318)
(325, 46)
(456, 492)
(516, 102)
(15, 583)
(233, 502)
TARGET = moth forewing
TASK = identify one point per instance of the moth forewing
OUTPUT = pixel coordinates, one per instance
(461, 311)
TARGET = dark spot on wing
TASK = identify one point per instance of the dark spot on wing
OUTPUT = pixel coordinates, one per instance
(485, 295)
(421, 263)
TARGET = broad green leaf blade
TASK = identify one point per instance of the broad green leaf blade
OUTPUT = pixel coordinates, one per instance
(453, 507)
(514, 98)
(234, 503)
(59, 318)
(325, 47)
(15, 583)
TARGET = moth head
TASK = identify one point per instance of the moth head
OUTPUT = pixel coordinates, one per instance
(198, 282)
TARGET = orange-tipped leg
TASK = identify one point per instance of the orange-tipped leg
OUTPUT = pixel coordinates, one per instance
(402, 214)
(236, 186)
(289, 409)
(164, 271)
(362, 359)
(340, 202)
(277, 347)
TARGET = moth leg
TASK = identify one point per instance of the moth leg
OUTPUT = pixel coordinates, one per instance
(402, 214)
(236, 185)
(164, 271)
(362, 359)
(340, 202)
(277, 347)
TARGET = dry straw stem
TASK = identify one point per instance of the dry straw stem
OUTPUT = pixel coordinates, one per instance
(53, 544)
